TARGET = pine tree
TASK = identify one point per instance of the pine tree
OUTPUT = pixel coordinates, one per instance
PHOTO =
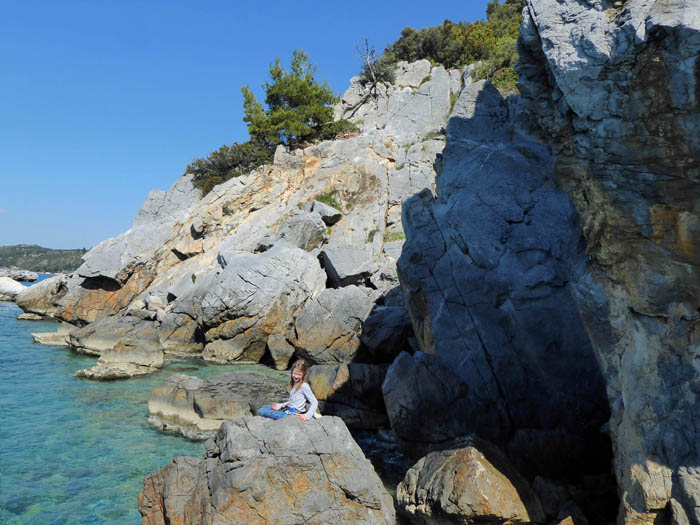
(299, 108)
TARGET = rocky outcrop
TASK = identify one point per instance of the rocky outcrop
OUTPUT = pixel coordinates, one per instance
(196, 408)
(264, 471)
(473, 484)
(351, 391)
(486, 274)
(9, 289)
(264, 255)
(616, 87)
(20, 275)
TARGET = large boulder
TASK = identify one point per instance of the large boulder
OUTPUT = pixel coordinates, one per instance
(486, 269)
(196, 408)
(127, 346)
(616, 87)
(351, 391)
(9, 289)
(473, 484)
(20, 275)
(329, 326)
(263, 471)
(256, 295)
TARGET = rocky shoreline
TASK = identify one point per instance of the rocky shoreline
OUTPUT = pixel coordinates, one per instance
(529, 339)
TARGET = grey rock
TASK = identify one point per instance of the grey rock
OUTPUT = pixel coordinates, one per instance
(280, 350)
(30, 317)
(260, 470)
(485, 270)
(328, 213)
(611, 84)
(44, 297)
(20, 275)
(118, 258)
(9, 289)
(411, 74)
(352, 392)
(329, 325)
(60, 337)
(386, 331)
(127, 346)
(253, 298)
(304, 230)
(196, 408)
(475, 484)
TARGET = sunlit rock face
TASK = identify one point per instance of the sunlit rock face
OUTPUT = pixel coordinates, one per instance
(617, 86)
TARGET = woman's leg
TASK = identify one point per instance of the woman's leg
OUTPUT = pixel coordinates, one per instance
(271, 413)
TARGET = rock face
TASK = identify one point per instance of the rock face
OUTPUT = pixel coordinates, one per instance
(196, 408)
(486, 269)
(264, 471)
(351, 391)
(474, 484)
(262, 255)
(616, 85)
(9, 289)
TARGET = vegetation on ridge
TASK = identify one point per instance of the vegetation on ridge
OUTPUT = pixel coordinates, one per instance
(299, 111)
(38, 259)
(455, 45)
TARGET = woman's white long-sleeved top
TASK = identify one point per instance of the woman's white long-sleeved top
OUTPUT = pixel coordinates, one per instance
(298, 398)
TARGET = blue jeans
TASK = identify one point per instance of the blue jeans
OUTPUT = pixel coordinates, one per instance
(271, 413)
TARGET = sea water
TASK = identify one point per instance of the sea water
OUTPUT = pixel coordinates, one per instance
(73, 450)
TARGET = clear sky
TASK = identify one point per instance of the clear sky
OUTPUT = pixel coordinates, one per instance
(103, 100)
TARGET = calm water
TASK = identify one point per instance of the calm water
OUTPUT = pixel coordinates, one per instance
(72, 450)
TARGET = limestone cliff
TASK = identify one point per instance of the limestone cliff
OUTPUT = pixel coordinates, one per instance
(259, 258)
(617, 87)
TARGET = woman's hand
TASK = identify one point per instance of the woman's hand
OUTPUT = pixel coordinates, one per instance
(303, 417)
(275, 406)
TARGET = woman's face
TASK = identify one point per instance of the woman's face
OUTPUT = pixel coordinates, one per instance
(297, 375)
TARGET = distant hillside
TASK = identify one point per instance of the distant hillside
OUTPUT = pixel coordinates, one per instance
(38, 259)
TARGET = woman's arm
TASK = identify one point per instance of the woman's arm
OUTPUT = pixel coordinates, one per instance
(311, 398)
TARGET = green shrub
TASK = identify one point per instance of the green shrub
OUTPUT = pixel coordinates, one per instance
(455, 45)
(394, 236)
(329, 199)
(227, 162)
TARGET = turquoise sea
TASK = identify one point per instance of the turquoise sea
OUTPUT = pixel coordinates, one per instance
(72, 450)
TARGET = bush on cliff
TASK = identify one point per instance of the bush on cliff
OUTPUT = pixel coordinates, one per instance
(455, 45)
(227, 162)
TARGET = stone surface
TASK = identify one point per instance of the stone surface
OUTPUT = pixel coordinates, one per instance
(196, 408)
(29, 317)
(127, 346)
(475, 484)
(615, 85)
(60, 337)
(9, 289)
(328, 213)
(20, 275)
(329, 325)
(485, 269)
(304, 230)
(351, 391)
(280, 350)
(263, 471)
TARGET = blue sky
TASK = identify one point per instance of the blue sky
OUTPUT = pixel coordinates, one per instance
(102, 101)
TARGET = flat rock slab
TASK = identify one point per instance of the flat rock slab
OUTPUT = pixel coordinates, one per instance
(196, 408)
(263, 471)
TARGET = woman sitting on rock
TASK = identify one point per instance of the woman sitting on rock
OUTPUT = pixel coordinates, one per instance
(299, 393)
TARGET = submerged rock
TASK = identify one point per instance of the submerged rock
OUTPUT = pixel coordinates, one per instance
(196, 408)
(263, 471)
